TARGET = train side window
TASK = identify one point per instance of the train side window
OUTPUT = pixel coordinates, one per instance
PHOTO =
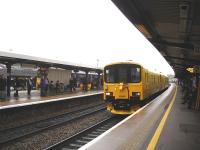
(145, 76)
(160, 78)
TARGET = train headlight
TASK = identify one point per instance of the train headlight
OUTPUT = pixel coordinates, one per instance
(136, 94)
(108, 93)
(109, 96)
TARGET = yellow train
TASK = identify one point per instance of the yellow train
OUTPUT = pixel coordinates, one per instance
(127, 85)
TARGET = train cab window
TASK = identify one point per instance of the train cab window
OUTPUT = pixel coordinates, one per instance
(110, 75)
(122, 73)
(135, 74)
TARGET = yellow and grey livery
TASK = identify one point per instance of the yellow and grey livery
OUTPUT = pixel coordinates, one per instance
(127, 85)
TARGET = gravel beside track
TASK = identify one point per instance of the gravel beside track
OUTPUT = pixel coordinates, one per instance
(15, 117)
(78, 140)
(12, 134)
(50, 137)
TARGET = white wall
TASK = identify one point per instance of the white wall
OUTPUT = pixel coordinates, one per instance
(59, 74)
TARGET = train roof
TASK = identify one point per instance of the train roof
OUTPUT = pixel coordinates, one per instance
(132, 62)
(123, 62)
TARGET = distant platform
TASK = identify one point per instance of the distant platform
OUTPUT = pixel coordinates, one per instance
(35, 98)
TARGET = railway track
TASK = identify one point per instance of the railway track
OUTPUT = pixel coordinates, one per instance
(78, 140)
(15, 134)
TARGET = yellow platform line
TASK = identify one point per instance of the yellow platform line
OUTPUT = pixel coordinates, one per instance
(156, 135)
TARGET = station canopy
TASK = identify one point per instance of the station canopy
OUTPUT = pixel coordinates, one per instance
(172, 26)
(12, 58)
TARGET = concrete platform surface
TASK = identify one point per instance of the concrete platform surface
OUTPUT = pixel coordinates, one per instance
(182, 128)
(35, 98)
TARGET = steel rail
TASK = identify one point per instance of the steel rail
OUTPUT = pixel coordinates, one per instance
(81, 138)
(33, 128)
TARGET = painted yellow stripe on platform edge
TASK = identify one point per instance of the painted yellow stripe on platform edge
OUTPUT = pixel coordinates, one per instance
(154, 140)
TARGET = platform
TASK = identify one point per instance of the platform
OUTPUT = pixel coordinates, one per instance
(35, 98)
(181, 128)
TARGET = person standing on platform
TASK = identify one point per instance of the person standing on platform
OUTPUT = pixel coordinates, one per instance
(74, 83)
(71, 84)
(51, 88)
(29, 86)
(193, 93)
(97, 83)
(17, 85)
(46, 85)
(57, 86)
(85, 84)
(2, 87)
(42, 86)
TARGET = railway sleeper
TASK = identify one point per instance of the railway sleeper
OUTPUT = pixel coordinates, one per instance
(101, 130)
(92, 135)
(82, 141)
(87, 138)
(75, 145)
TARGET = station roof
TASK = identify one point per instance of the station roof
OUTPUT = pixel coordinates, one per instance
(172, 26)
(12, 58)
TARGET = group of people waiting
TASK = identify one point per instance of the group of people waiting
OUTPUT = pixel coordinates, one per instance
(47, 87)
(189, 89)
(29, 86)
(50, 88)
(3, 86)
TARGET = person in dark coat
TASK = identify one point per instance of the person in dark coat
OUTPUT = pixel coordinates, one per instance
(74, 84)
(17, 85)
(29, 86)
(2, 87)
(71, 84)
(57, 86)
(85, 83)
(51, 88)
(42, 86)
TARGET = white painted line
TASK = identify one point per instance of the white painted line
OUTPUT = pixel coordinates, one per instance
(117, 125)
(47, 101)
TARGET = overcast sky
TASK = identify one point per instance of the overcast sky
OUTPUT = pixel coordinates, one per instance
(80, 31)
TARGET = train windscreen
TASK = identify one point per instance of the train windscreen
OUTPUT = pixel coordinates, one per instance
(122, 73)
